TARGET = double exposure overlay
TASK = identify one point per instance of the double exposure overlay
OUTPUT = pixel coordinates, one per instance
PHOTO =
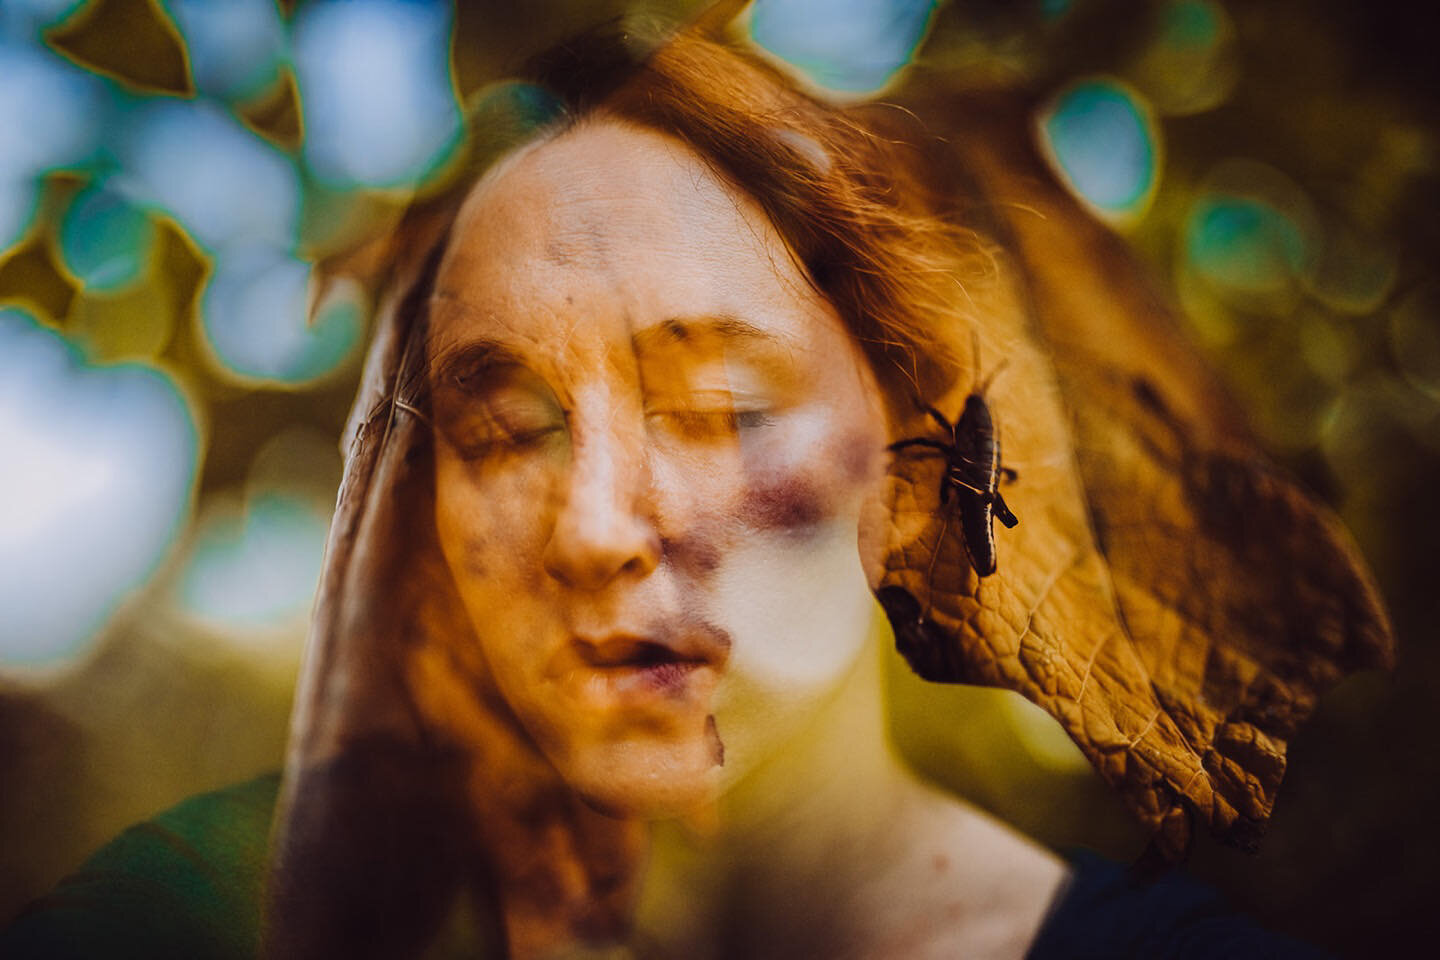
(179, 351)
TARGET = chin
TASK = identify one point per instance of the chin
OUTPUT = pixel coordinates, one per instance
(642, 779)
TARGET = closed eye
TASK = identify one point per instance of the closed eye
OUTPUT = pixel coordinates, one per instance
(712, 424)
(502, 421)
(476, 441)
(490, 407)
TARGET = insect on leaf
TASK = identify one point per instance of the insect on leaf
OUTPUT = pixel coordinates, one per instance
(1171, 598)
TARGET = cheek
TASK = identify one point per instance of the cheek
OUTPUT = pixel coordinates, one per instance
(785, 492)
(800, 487)
(695, 553)
(791, 581)
(784, 499)
(791, 589)
(799, 611)
(487, 528)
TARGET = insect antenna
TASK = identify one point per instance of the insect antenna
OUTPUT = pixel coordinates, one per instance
(982, 387)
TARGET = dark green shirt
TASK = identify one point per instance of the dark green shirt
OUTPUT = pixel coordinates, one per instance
(185, 884)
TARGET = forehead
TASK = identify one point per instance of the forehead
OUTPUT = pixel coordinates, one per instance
(610, 228)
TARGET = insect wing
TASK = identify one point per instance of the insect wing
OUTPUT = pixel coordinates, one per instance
(976, 514)
(976, 444)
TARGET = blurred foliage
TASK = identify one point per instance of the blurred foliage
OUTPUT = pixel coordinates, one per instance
(1282, 182)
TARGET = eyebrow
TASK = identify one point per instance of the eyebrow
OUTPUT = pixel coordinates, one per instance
(463, 363)
(680, 330)
(459, 365)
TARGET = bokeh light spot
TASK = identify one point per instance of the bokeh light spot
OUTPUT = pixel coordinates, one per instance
(1191, 23)
(1055, 9)
(99, 466)
(1243, 244)
(18, 198)
(1190, 64)
(19, 17)
(1251, 235)
(234, 45)
(1329, 345)
(848, 46)
(1354, 274)
(1414, 328)
(1369, 426)
(106, 240)
(258, 569)
(378, 105)
(254, 316)
(50, 111)
(1209, 318)
(1100, 138)
(225, 185)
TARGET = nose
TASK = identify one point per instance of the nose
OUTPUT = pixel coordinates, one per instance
(603, 529)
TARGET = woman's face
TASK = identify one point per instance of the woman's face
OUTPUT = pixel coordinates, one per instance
(655, 443)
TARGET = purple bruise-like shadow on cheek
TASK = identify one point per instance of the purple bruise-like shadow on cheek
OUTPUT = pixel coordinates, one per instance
(798, 492)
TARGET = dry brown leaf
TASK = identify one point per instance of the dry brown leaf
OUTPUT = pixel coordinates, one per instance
(1173, 599)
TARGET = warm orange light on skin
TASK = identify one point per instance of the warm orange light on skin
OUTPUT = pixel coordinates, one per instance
(655, 438)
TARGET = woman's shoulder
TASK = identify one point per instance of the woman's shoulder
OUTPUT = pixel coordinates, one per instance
(1110, 910)
(189, 882)
(186, 883)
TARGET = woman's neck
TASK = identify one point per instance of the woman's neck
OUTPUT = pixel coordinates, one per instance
(832, 847)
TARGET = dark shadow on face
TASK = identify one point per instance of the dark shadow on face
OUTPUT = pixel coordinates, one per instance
(651, 457)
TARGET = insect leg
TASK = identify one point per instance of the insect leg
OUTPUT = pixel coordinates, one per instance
(939, 418)
(968, 486)
(1002, 512)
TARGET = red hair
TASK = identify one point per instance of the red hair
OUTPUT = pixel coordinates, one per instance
(848, 201)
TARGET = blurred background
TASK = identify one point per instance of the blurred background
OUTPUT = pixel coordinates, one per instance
(170, 170)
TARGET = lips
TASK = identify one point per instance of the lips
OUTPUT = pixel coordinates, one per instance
(692, 643)
(665, 662)
(621, 652)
